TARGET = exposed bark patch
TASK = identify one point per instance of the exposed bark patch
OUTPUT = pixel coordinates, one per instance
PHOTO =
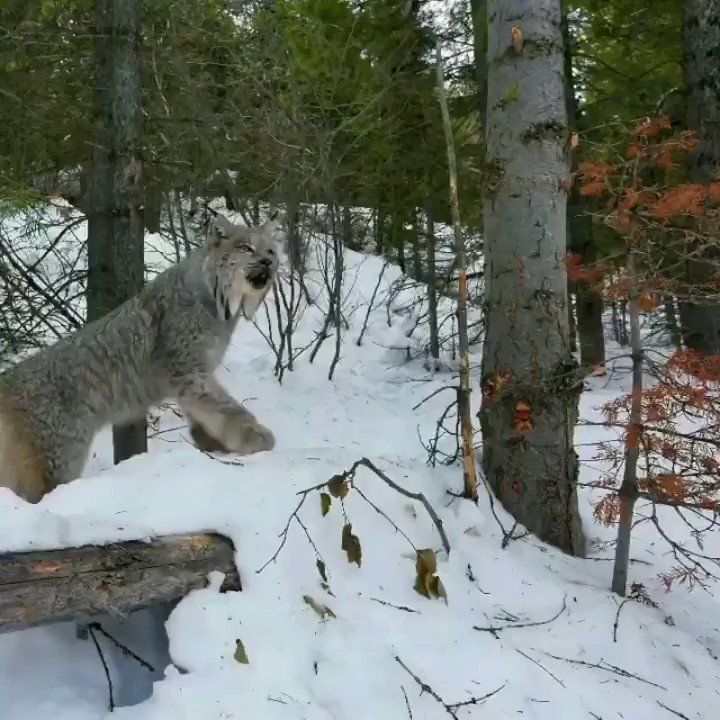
(550, 129)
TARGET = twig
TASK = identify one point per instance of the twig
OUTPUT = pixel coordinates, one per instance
(617, 618)
(605, 667)
(407, 493)
(494, 629)
(346, 474)
(284, 533)
(674, 712)
(404, 608)
(477, 700)
(358, 342)
(542, 667)
(125, 649)
(434, 393)
(111, 703)
(450, 708)
(407, 703)
(385, 515)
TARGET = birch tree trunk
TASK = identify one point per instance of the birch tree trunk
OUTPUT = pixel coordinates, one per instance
(530, 383)
(701, 65)
(116, 226)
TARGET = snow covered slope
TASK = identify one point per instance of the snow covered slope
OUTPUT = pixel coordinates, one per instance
(368, 659)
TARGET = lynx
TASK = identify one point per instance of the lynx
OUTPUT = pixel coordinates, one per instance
(164, 343)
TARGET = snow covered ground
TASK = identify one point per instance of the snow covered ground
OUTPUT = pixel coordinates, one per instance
(367, 661)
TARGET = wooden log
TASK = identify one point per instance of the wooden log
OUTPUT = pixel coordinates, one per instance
(38, 588)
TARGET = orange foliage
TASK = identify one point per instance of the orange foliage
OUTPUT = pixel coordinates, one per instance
(588, 273)
(647, 302)
(607, 511)
(691, 362)
(667, 486)
(650, 127)
(594, 188)
(680, 200)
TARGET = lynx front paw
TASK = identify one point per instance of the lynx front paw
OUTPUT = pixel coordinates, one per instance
(257, 438)
(249, 437)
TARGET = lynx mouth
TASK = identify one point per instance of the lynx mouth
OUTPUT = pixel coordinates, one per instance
(259, 280)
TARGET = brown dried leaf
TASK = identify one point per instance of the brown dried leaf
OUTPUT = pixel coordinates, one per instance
(338, 487)
(351, 545)
(325, 503)
(240, 654)
(427, 583)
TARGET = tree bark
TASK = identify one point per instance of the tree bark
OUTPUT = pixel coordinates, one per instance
(115, 226)
(701, 67)
(38, 588)
(530, 382)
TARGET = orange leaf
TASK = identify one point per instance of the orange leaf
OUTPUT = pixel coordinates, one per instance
(651, 126)
(646, 303)
(593, 189)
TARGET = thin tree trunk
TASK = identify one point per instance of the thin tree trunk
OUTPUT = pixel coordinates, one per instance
(464, 412)
(580, 240)
(589, 304)
(530, 382)
(295, 249)
(129, 236)
(379, 232)
(431, 280)
(101, 260)
(116, 237)
(572, 325)
(337, 291)
(478, 9)
(671, 322)
(416, 251)
(629, 489)
(701, 66)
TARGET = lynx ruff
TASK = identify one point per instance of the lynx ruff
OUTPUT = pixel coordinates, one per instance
(163, 343)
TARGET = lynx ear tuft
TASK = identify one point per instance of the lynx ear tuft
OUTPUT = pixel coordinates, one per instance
(218, 230)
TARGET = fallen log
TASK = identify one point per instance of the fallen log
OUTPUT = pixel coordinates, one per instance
(38, 588)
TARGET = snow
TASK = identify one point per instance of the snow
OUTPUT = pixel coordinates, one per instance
(350, 666)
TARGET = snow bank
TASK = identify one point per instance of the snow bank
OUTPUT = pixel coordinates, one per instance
(349, 666)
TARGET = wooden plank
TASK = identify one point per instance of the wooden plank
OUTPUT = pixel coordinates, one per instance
(38, 588)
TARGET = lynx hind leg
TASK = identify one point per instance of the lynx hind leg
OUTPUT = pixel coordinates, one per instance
(22, 469)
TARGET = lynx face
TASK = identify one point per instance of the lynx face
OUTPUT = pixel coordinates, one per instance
(246, 261)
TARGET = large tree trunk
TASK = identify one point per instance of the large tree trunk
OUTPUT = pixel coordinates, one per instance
(701, 65)
(529, 379)
(115, 224)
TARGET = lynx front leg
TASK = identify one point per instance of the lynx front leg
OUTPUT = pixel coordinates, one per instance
(219, 423)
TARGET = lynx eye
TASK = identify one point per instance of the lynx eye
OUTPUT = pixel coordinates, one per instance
(244, 247)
